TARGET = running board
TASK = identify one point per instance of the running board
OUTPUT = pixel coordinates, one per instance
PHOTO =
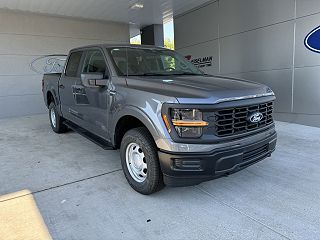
(90, 136)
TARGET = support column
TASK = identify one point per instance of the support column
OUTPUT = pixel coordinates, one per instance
(152, 35)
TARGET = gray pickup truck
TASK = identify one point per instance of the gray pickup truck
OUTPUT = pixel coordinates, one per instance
(174, 125)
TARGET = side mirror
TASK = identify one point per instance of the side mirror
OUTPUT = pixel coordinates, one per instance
(93, 80)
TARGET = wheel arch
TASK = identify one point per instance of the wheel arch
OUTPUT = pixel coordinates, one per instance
(49, 98)
(129, 119)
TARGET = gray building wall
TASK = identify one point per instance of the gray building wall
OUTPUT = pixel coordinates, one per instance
(261, 41)
(24, 37)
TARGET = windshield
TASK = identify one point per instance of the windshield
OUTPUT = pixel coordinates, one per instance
(150, 62)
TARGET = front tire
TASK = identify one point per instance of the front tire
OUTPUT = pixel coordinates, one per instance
(140, 161)
(56, 120)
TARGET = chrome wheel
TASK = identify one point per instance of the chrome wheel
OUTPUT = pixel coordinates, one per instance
(136, 162)
(53, 118)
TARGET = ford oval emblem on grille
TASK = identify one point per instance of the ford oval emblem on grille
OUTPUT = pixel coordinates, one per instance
(255, 117)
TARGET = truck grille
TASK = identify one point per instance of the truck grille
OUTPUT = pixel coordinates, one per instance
(234, 121)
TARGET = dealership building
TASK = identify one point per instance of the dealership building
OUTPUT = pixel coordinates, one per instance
(262, 41)
(149, 147)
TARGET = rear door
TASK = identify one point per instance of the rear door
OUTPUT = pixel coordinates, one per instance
(93, 104)
(67, 90)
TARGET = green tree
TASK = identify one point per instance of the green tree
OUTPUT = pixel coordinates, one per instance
(169, 43)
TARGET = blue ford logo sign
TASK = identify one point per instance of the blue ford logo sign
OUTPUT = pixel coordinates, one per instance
(255, 117)
(312, 40)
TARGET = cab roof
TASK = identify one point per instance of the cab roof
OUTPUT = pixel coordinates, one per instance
(110, 45)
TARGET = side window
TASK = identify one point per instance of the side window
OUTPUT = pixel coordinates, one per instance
(73, 64)
(94, 62)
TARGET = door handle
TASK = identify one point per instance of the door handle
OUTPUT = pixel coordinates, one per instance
(111, 92)
(77, 89)
(61, 86)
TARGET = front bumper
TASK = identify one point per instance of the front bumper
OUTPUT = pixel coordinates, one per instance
(185, 169)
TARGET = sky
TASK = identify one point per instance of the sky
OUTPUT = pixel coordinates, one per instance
(168, 30)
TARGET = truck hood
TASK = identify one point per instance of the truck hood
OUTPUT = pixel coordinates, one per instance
(198, 89)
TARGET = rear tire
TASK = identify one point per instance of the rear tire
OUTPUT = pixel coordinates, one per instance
(140, 161)
(56, 120)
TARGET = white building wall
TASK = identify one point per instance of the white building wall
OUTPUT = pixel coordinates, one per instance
(261, 41)
(25, 37)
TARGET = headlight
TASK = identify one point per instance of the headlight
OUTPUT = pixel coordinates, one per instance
(188, 122)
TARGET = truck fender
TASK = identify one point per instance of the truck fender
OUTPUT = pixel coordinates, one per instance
(55, 98)
(140, 115)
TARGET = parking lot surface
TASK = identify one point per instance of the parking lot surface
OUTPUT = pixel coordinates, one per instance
(80, 192)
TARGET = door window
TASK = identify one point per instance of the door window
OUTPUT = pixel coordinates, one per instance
(94, 62)
(73, 64)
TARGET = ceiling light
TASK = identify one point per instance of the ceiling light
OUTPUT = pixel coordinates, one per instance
(137, 6)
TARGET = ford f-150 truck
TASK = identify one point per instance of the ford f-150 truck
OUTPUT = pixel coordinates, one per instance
(174, 125)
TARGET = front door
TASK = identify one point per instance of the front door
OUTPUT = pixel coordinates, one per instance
(92, 101)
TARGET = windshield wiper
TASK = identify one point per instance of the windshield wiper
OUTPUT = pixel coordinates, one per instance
(155, 74)
(187, 73)
(149, 74)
